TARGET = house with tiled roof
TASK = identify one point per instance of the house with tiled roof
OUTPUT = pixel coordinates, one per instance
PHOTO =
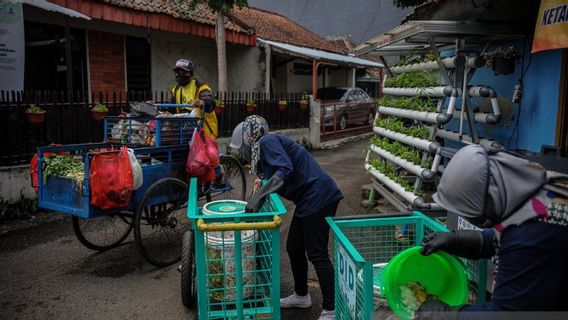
(132, 45)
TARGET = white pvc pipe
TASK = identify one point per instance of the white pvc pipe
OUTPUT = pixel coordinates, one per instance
(495, 106)
(417, 92)
(406, 139)
(409, 166)
(480, 117)
(436, 162)
(408, 196)
(454, 136)
(410, 114)
(430, 65)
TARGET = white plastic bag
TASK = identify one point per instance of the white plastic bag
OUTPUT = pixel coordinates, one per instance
(136, 170)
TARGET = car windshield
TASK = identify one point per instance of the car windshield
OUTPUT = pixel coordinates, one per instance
(330, 93)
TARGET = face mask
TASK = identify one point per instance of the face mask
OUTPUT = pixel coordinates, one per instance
(245, 153)
(182, 80)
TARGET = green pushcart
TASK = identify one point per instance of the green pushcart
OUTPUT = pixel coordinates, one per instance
(365, 244)
(230, 266)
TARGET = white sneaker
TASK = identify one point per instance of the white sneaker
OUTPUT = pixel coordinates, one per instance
(296, 301)
(327, 315)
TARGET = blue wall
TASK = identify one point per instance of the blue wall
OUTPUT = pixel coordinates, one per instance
(539, 106)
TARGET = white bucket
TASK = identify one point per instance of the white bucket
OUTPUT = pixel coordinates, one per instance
(221, 248)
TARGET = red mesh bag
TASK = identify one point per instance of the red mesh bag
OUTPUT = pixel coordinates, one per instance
(111, 179)
(202, 158)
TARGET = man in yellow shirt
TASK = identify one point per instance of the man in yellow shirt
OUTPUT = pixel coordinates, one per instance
(189, 90)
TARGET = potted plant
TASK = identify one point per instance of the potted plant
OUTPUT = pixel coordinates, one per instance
(219, 106)
(35, 114)
(282, 105)
(251, 105)
(98, 112)
(502, 60)
(304, 102)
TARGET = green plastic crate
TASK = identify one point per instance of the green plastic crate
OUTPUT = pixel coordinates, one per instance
(239, 278)
(363, 241)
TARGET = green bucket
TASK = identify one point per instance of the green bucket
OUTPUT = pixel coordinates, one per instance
(441, 275)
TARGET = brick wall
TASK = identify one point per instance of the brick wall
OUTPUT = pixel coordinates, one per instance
(106, 61)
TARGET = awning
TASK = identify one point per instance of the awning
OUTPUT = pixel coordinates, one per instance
(321, 55)
(43, 4)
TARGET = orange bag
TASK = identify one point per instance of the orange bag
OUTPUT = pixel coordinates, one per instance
(111, 179)
(203, 157)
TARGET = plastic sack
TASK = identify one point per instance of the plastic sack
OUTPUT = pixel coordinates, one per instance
(137, 176)
(111, 179)
(203, 157)
(143, 109)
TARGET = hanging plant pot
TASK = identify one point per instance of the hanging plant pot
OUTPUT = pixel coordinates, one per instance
(251, 107)
(98, 116)
(303, 104)
(503, 65)
(219, 109)
(282, 107)
(36, 118)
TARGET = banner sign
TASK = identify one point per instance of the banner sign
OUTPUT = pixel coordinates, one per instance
(551, 30)
(11, 46)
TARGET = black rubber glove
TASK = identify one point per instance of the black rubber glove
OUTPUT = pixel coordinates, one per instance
(462, 243)
(272, 185)
(436, 309)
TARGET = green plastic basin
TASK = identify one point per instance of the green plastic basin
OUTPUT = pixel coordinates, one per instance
(441, 274)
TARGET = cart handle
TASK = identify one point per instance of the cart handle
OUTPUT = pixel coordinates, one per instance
(203, 226)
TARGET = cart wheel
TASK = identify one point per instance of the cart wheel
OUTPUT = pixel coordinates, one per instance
(235, 182)
(188, 294)
(104, 232)
(161, 220)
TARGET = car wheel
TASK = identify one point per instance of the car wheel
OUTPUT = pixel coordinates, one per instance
(343, 122)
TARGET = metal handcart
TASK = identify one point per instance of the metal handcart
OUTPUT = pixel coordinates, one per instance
(157, 209)
(363, 243)
(238, 278)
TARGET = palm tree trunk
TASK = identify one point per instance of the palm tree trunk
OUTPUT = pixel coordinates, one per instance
(221, 53)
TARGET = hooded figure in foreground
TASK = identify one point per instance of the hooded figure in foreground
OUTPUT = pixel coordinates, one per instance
(294, 174)
(524, 213)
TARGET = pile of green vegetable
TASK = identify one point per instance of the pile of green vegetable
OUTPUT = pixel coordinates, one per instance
(414, 103)
(63, 166)
(414, 79)
(396, 125)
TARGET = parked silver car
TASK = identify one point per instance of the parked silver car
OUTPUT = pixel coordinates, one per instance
(351, 105)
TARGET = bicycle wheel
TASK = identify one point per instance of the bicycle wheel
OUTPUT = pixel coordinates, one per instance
(235, 182)
(104, 232)
(188, 294)
(161, 220)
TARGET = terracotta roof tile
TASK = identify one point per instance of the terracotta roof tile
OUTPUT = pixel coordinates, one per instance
(273, 26)
(345, 44)
(176, 9)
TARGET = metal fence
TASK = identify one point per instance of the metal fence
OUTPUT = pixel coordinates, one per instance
(68, 116)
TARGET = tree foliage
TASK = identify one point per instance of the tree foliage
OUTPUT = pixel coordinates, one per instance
(407, 3)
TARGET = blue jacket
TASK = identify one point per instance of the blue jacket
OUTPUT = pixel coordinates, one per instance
(532, 274)
(305, 182)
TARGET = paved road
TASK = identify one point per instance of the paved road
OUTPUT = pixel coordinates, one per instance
(45, 273)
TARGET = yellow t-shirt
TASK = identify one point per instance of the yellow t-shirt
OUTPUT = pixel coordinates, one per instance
(186, 95)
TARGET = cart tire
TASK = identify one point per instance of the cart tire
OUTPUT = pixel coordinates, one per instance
(188, 294)
(104, 232)
(159, 227)
(235, 177)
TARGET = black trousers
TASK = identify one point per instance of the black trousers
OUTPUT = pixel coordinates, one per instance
(309, 236)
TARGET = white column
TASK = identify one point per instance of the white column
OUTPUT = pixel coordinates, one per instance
(268, 70)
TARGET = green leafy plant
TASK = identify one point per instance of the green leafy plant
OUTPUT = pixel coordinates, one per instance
(34, 109)
(100, 108)
(251, 102)
(407, 3)
(390, 171)
(398, 149)
(396, 125)
(409, 103)
(411, 59)
(414, 79)
(501, 52)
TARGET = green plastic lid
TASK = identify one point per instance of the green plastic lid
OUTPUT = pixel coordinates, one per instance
(440, 274)
(224, 207)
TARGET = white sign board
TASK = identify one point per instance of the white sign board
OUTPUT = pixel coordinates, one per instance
(346, 273)
(11, 46)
